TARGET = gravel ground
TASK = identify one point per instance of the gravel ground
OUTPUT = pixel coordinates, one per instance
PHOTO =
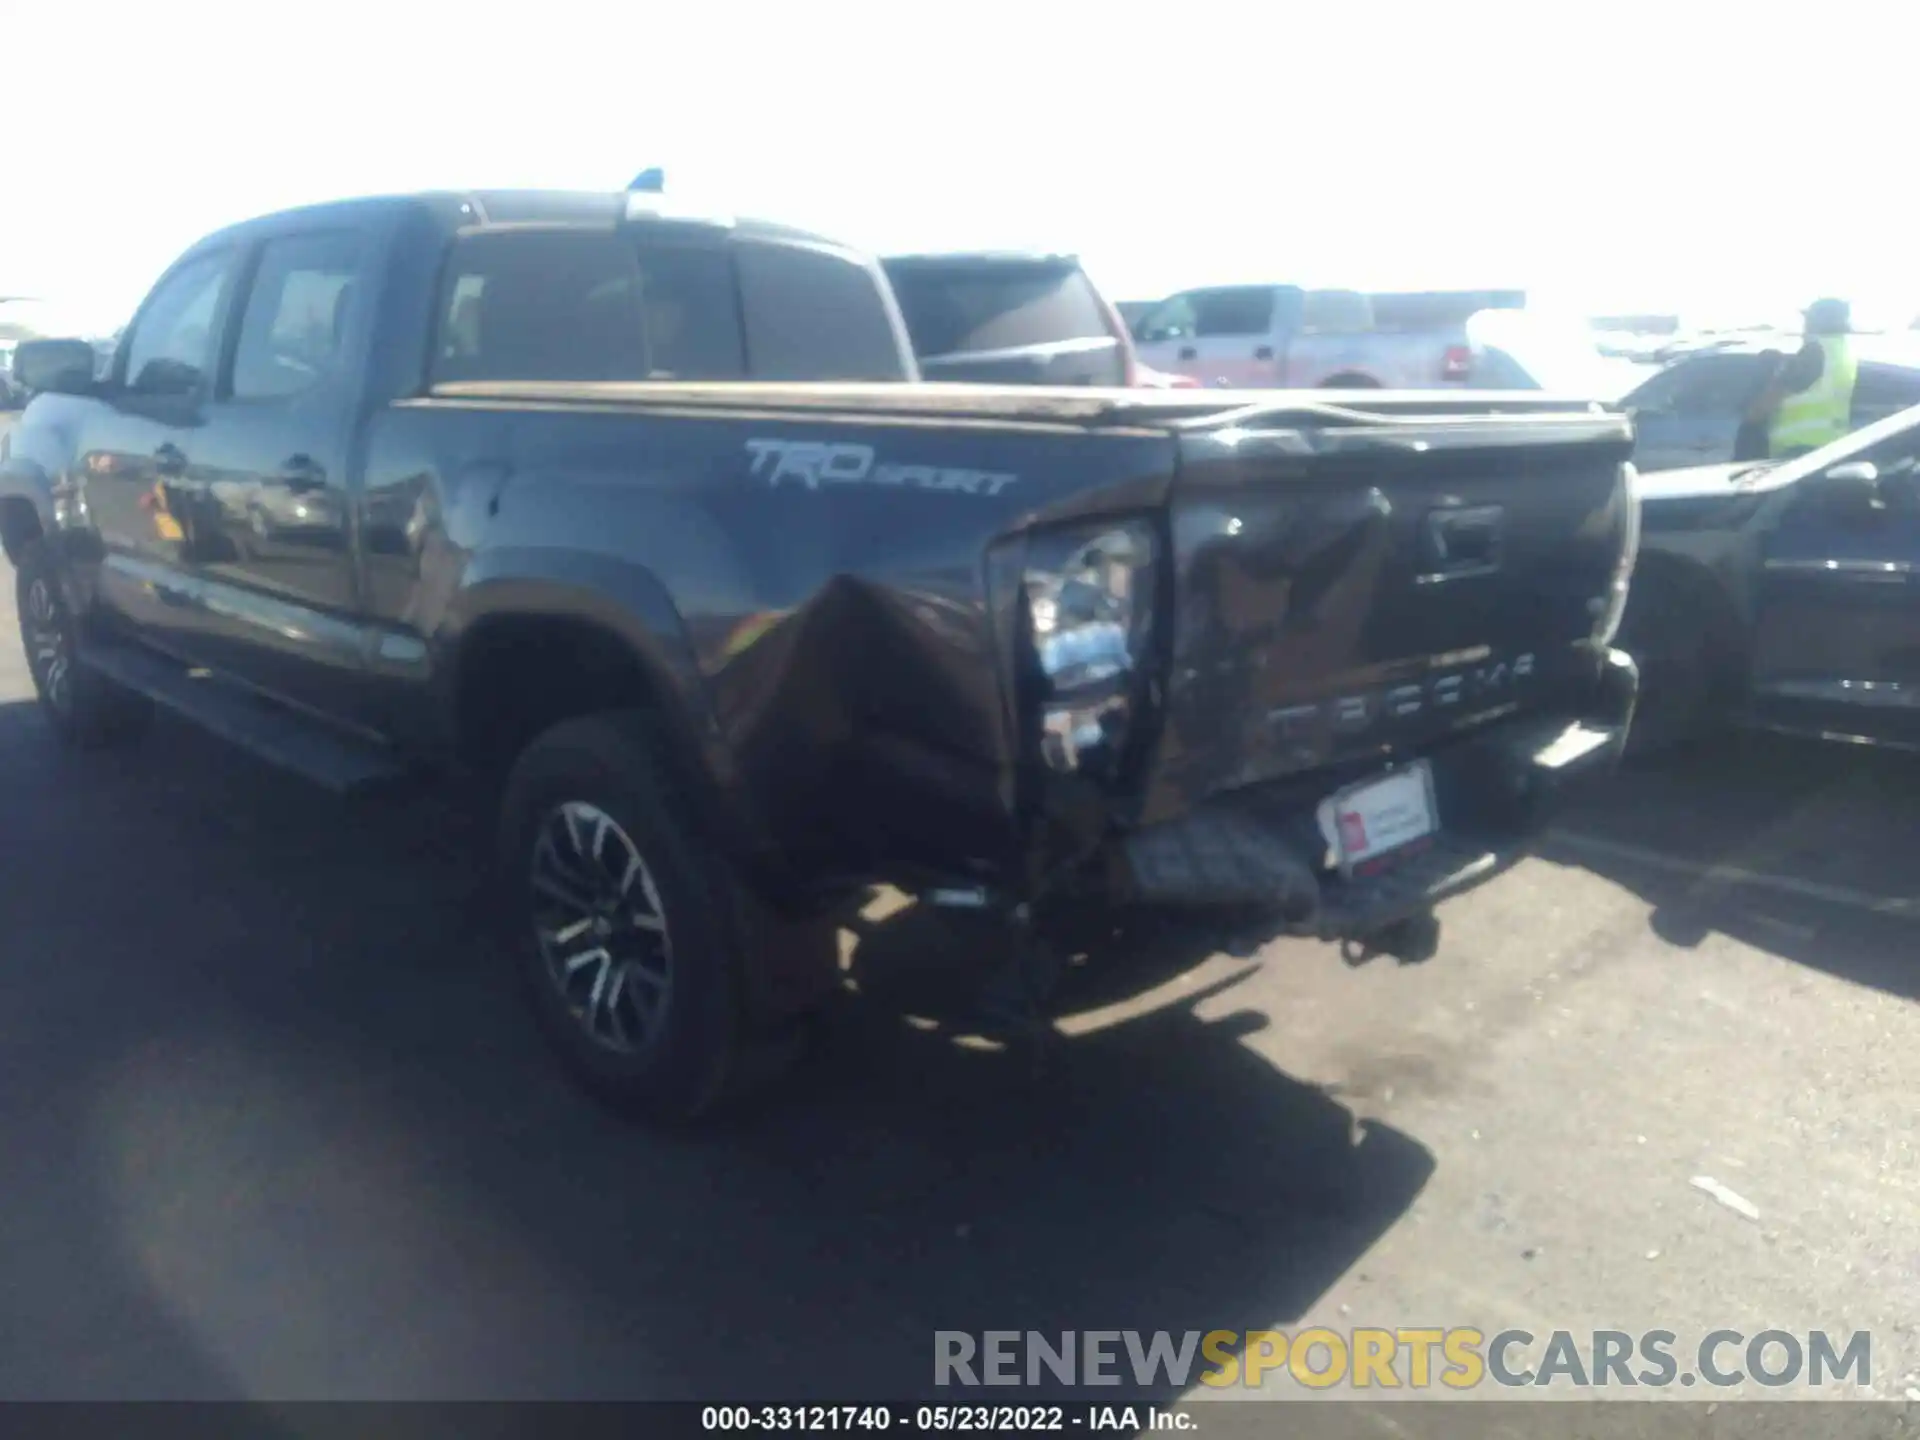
(275, 1126)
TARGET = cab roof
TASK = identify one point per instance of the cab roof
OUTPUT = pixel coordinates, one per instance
(459, 209)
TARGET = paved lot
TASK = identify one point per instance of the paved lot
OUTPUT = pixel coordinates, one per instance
(273, 1124)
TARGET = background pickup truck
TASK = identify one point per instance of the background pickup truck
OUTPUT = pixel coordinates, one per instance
(721, 651)
(1290, 338)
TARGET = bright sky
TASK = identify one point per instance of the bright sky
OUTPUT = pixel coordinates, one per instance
(1677, 155)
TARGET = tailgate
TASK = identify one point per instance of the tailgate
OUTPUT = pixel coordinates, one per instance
(1365, 581)
(1095, 361)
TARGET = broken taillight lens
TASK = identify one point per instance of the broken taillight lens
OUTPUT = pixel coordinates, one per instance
(1089, 599)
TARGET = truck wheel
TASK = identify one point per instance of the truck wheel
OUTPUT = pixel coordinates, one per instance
(85, 708)
(625, 928)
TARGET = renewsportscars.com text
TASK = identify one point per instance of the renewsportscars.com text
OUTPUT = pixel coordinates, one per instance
(1461, 1358)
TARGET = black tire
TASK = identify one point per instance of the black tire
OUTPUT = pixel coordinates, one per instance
(1683, 668)
(689, 1058)
(85, 709)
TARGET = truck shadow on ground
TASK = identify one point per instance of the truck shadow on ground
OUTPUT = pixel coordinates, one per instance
(1796, 847)
(280, 1129)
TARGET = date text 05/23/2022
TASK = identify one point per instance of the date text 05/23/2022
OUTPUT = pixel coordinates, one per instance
(940, 1419)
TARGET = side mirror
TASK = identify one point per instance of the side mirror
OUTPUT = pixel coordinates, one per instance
(1852, 485)
(64, 367)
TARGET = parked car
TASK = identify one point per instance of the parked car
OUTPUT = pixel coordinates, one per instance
(1285, 336)
(1010, 318)
(1690, 412)
(1783, 594)
(723, 651)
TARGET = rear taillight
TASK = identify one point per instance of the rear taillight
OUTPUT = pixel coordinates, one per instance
(1456, 363)
(1089, 608)
(1609, 609)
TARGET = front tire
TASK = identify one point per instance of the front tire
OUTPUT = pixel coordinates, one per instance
(85, 708)
(627, 930)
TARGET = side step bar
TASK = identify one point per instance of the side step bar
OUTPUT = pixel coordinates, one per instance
(343, 764)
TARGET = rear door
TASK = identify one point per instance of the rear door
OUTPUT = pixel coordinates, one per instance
(1011, 321)
(1691, 413)
(529, 302)
(1330, 337)
(1837, 625)
(1221, 336)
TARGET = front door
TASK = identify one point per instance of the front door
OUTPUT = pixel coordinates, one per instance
(1837, 637)
(140, 500)
(1222, 336)
(273, 465)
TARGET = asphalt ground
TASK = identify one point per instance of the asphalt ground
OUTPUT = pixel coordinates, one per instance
(274, 1124)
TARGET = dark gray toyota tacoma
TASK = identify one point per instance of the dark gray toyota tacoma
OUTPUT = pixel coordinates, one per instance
(639, 525)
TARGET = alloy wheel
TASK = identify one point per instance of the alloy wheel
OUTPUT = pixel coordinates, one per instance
(601, 927)
(47, 645)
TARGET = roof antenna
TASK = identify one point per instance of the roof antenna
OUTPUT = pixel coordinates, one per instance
(649, 182)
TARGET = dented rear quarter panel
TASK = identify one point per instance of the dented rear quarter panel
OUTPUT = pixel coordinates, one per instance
(812, 588)
(823, 582)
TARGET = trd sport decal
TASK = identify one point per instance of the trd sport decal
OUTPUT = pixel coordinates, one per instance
(814, 464)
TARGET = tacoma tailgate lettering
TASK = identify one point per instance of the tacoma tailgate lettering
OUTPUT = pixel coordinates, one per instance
(1351, 714)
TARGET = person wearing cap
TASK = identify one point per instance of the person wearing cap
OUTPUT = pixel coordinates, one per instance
(1809, 401)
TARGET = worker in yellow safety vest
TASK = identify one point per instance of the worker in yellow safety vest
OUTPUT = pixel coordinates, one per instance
(1809, 401)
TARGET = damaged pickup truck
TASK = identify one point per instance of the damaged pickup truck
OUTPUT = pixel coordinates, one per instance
(546, 493)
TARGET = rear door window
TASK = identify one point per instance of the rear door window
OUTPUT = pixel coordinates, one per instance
(293, 329)
(964, 309)
(1880, 390)
(1709, 385)
(1336, 312)
(1722, 384)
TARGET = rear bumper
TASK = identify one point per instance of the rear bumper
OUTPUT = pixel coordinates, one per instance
(1495, 790)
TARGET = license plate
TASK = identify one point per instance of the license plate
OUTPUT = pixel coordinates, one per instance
(1364, 822)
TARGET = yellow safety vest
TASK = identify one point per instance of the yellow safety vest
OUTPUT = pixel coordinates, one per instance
(1822, 413)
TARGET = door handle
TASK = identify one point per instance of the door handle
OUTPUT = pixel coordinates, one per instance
(302, 472)
(1187, 352)
(170, 460)
(1263, 352)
